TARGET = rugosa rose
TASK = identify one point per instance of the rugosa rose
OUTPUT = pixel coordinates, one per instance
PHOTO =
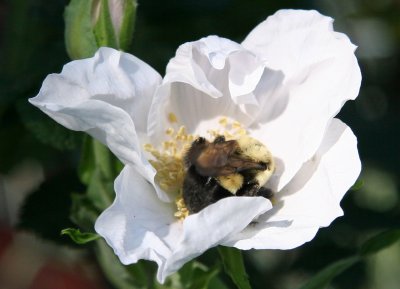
(283, 85)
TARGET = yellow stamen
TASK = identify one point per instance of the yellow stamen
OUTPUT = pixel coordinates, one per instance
(169, 157)
(172, 118)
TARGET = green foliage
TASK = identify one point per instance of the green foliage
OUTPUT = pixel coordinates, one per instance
(375, 244)
(97, 170)
(358, 185)
(103, 29)
(234, 266)
(122, 276)
(82, 212)
(128, 24)
(88, 26)
(324, 277)
(380, 241)
(80, 39)
(192, 275)
(47, 130)
(78, 237)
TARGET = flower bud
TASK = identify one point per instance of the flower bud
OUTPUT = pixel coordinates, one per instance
(91, 24)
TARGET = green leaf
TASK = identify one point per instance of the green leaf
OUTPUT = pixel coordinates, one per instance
(234, 266)
(79, 36)
(122, 276)
(97, 170)
(102, 156)
(104, 29)
(95, 155)
(195, 275)
(83, 213)
(100, 190)
(202, 277)
(325, 276)
(358, 185)
(78, 237)
(128, 24)
(47, 130)
(380, 241)
(87, 162)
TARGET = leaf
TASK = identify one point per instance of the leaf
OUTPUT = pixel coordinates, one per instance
(195, 275)
(128, 25)
(80, 40)
(87, 162)
(380, 241)
(83, 213)
(94, 156)
(100, 190)
(104, 29)
(78, 237)
(234, 266)
(122, 276)
(325, 276)
(358, 185)
(47, 130)
(97, 171)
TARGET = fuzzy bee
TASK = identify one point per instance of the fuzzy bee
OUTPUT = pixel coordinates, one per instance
(224, 168)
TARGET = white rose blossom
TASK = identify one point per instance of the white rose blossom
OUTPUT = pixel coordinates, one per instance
(283, 84)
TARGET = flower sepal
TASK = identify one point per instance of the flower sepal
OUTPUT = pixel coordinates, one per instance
(92, 24)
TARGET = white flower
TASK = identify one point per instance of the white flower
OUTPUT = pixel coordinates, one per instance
(284, 83)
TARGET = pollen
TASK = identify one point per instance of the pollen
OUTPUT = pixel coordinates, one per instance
(181, 211)
(229, 129)
(168, 158)
(172, 118)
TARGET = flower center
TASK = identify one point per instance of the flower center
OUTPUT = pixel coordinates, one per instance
(169, 158)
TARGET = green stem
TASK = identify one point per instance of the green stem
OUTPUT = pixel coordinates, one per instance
(102, 159)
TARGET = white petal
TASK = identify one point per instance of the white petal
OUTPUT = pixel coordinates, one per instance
(312, 199)
(212, 226)
(208, 79)
(117, 14)
(321, 73)
(138, 225)
(107, 96)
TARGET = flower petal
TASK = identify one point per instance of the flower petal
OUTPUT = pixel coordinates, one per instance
(138, 225)
(312, 199)
(108, 96)
(208, 79)
(321, 73)
(211, 226)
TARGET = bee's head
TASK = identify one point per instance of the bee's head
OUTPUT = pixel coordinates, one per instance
(196, 148)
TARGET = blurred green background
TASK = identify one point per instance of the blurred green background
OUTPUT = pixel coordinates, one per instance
(32, 46)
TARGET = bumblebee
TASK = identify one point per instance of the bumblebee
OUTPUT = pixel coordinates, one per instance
(224, 168)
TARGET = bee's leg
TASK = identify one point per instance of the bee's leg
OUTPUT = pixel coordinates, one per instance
(219, 139)
(266, 193)
(253, 189)
(249, 189)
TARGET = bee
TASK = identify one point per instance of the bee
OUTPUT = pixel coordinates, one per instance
(225, 168)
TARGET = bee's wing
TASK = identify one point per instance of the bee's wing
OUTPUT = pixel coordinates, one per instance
(242, 163)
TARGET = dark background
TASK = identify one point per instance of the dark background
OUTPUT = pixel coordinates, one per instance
(35, 150)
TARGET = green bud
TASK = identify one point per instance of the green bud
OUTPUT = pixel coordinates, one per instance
(90, 24)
